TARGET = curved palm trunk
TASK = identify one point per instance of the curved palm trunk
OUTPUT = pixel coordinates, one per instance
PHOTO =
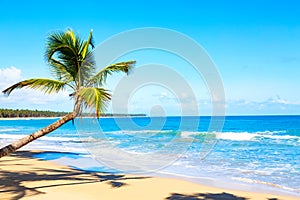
(27, 139)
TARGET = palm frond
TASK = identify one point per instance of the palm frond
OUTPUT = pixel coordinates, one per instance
(63, 47)
(69, 55)
(100, 78)
(95, 98)
(46, 85)
(60, 71)
(60, 41)
(72, 36)
(86, 44)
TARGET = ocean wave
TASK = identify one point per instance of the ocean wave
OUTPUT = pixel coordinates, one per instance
(247, 180)
(132, 132)
(188, 134)
(45, 138)
(234, 136)
(282, 137)
(247, 136)
(89, 139)
(8, 129)
(242, 136)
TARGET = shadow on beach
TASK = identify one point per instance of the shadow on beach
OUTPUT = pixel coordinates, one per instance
(14, 183)
(209, 196)
(205, 196)
(23, 175)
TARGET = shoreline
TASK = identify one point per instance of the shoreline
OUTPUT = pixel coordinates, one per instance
(23, 175)
(39, 118)
(83, 161)
(141, 116)
(225, 184)
(28, 118)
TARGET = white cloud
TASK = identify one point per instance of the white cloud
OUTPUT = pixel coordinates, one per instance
(29, 98)
(9, 76)
(273, 105)
(278, 100)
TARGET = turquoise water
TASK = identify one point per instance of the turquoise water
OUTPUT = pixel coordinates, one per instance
(262, 150)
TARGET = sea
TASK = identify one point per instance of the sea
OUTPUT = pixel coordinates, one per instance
(258, 152)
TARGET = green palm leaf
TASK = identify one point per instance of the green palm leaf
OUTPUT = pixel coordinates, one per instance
(46, 85)
(60, 71)
(100, 78)
(95, 98)
(70, 58)
(86, 44)
(63, 47)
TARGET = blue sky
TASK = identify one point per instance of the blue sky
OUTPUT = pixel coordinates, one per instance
(254, 44)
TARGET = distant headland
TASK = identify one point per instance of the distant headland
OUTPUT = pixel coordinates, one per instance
(25, 113)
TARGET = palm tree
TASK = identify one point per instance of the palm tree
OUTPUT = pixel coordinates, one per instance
(72, 64)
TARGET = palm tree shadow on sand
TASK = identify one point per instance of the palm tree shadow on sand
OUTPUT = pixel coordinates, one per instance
(12, 183)
(205, 196)
(208, 196)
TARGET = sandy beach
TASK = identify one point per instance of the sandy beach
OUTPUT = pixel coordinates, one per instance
(24, 177)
